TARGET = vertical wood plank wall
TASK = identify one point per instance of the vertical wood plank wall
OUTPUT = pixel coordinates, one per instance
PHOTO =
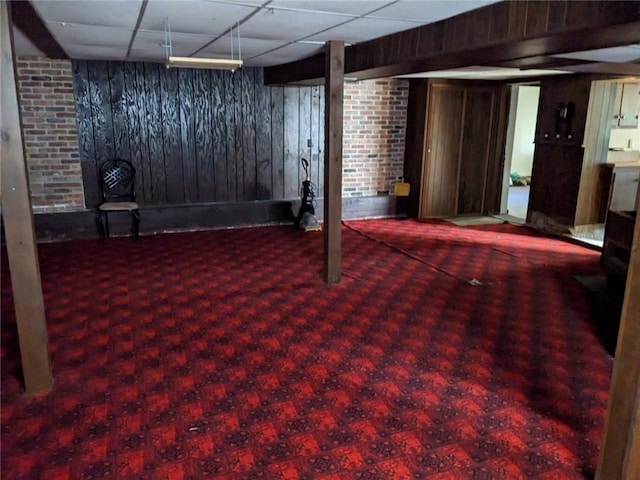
(197, 136)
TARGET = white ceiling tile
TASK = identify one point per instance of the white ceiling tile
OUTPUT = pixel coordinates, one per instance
(159, 37)
(95, 52)
(108, 13)
(247, 3)
(285, 55)
(193, 16)
(335, 6)
(23, 45)
(76, 34)
(288, 25)
(428, 11)
(250, 47)
(263, 61)
(267, 60)
(183, 44)
(297, 50)
(146, 56)
(628, 53)
(363, 29)
(479, 72)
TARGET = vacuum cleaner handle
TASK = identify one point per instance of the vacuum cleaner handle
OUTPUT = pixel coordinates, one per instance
(305, 165)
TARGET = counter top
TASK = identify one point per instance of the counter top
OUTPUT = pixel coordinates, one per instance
(635, 164)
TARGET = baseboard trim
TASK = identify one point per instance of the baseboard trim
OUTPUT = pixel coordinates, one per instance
(174, 218)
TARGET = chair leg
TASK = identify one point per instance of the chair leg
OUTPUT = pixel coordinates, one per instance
(136, 222)
(106, 224)
(100, 224)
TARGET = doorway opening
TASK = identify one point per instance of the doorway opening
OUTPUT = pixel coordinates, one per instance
(518, 162)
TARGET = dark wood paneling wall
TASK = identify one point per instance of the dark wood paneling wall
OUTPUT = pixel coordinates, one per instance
(197, 136)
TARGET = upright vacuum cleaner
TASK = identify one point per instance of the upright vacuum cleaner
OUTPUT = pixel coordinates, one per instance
(306, 219)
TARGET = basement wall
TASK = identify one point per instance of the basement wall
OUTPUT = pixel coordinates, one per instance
(375, 119)
(374, 133)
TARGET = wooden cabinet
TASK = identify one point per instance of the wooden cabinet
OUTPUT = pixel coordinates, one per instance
(616, 251)
(627, 105)
(620, 220)
(619, 188)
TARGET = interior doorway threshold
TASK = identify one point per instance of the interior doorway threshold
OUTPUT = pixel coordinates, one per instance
(590, 234)
(505, 217)
(476, 220)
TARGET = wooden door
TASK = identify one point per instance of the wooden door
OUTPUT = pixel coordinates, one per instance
(474, 150)
(461, 144)
(442, 154)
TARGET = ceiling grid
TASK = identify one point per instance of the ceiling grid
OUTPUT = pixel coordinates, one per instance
(272, 32)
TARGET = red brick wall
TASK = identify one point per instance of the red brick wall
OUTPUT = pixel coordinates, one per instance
(50, 137)
(375, 117)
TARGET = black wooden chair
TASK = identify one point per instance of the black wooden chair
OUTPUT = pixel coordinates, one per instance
(117, 186)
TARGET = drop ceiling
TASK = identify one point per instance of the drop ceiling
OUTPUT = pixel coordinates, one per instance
(272, 32)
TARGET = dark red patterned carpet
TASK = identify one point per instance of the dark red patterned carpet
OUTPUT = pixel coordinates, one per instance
(445, 353)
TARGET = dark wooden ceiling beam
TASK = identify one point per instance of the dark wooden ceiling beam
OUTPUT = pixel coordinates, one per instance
(25, 17)
(310, 69)
(498, 32)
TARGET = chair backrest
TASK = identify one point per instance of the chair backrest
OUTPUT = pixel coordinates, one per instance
(117, 181)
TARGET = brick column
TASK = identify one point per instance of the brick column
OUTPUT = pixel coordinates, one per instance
(50, 137)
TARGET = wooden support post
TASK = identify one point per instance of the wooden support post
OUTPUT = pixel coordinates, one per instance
(19, 228)
(334, 96)
(620, 452)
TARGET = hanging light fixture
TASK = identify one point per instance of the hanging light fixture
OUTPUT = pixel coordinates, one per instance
(196, 62)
